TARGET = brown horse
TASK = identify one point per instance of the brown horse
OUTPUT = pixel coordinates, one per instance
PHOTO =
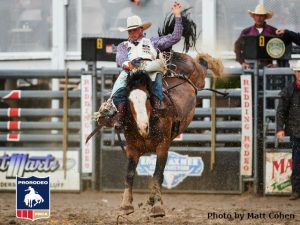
(145, 134)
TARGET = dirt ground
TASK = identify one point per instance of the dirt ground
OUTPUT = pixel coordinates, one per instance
(91, 208)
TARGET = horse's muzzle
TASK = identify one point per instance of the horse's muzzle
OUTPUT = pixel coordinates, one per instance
(144, 129)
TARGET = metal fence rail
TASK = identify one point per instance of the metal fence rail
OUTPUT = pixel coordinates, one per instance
(37, 94)
(20, 112)
(38, 138)
(20, 125)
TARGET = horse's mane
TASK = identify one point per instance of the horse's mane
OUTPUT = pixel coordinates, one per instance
(189, 29)
(139, 78)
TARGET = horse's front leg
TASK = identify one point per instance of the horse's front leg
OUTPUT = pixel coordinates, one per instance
(126, 206)
(155, 199)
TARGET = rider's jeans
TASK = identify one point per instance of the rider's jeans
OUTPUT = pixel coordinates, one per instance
(121, 82)
(157, 86)
(119, 91)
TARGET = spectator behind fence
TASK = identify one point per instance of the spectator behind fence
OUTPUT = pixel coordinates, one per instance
(289, 36)
(288, 123)
(259, 15)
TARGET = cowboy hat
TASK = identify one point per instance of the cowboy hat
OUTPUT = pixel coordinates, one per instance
(297, 67)
(134, 22)
(261, 10)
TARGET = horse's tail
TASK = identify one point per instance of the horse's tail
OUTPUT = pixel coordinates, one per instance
(213, 64)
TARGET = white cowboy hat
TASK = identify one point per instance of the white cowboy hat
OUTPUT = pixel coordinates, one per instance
(297, 67)
(135, 22)
(261, 10)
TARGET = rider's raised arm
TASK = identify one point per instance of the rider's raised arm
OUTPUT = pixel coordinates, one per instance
(167, 41)
(122, 54)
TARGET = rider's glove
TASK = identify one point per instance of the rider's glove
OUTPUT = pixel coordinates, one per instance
(127, 65)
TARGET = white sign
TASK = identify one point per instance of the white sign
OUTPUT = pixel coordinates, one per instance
(278, 172)
(86, 123)
(178, 167)
(246, 117)
(39, 164)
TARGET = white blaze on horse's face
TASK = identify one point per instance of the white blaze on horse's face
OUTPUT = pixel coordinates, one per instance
(140, 110)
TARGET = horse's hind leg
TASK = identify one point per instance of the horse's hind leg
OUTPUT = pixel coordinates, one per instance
(155, 199)
(126, 206)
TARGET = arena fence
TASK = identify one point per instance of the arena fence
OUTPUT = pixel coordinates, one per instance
(218, 153)
(37, 138)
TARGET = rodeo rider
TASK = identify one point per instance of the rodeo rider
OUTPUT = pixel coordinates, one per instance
(146, 50)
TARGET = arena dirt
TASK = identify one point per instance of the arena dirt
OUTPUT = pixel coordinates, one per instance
(91, 208)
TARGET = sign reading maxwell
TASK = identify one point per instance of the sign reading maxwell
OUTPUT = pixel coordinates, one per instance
(178, 167)
(278, 172)
(247, 137)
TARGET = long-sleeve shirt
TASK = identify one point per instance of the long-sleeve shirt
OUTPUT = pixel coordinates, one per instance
(291, 36)
(267, 30)
(160, 43)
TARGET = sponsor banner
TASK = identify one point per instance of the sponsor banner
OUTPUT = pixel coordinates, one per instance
(86, 123)
(246, 116)
(225, 179)
(178, 167)
(40, 164)
(32, 198)
(278, 172)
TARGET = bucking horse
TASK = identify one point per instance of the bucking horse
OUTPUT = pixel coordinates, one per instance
(144, 133)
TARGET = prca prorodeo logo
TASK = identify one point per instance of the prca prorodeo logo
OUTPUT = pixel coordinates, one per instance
(32, 197)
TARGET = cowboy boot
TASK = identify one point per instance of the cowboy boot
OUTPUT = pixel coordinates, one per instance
(158, 107)
(118, 119)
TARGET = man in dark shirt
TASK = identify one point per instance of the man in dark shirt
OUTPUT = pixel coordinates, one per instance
(288, 123)
(259, 15)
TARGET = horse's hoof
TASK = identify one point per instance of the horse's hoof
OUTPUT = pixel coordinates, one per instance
(157, 210)
(126, 210)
